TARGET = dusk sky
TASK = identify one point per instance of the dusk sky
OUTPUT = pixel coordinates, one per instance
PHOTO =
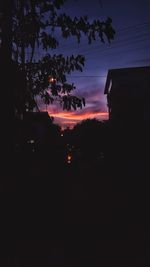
(130, 48)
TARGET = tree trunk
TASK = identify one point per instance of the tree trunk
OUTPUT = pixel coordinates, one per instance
(7, 103)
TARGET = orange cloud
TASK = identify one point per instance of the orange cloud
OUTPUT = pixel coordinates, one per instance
(96, 107)
(70, 115)
(70, 118)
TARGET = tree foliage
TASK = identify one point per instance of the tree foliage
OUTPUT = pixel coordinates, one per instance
(89, 137)
(34, 25)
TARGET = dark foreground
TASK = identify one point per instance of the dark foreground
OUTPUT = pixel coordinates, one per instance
(86, 213)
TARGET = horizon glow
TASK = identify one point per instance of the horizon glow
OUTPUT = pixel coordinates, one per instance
(70, 118)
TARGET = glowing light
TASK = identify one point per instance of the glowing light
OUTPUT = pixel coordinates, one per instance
(62, 135)
(69, 157)
(70, 118)
(30, 141)
(78, 117)
(51, 79)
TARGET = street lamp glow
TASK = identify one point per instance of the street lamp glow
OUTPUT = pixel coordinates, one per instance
(51, 79)
(69, 157)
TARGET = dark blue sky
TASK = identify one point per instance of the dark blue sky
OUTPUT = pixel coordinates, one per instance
(131, 20)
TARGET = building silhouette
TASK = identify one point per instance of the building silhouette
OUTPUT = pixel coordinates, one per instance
(128, 98)
(35, 131)
(128, 94)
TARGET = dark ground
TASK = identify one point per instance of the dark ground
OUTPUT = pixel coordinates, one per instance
(87, 213)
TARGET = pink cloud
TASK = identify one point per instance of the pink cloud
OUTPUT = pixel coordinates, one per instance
(95, 108)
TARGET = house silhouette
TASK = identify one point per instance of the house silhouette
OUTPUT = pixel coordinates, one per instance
(128, 94)
(128, 98)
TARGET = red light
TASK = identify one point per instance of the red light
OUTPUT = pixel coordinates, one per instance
(69, 157)
(51, 79)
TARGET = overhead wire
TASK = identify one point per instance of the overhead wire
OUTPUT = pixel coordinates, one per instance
(134, 35)
(130, 30)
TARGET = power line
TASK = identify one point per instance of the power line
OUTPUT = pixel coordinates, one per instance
(109, 52)
(134, 40)
(134, 26)
(117, 46)
(86, 76)
(127, 29)
(136, 33)
(123, 51)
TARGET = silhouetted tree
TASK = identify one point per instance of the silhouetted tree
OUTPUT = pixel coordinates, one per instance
(25, 27)
(88, 137)
(32, 25)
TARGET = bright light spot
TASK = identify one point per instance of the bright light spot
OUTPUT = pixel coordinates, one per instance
(30, 141)
(69, 157)
(62, 135)
(51, 79)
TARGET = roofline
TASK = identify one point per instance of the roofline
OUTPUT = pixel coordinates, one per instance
(129, 68)
(110, 72)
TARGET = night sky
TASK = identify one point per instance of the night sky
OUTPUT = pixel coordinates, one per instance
(130, 48)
